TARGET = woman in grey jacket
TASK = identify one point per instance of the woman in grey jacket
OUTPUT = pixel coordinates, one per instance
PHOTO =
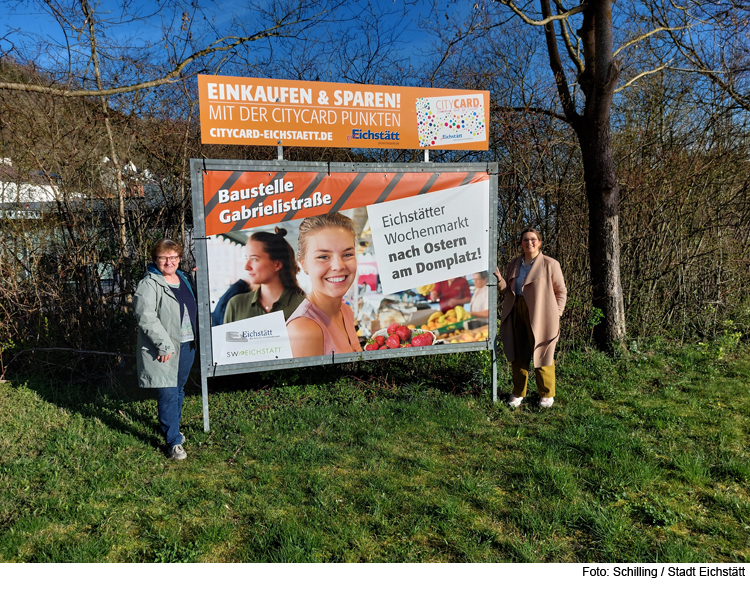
(166, 311)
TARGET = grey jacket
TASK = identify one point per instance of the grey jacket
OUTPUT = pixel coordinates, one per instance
(157, 312)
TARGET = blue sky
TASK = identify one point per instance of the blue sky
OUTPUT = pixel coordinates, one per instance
(27, 22)
(24, 17)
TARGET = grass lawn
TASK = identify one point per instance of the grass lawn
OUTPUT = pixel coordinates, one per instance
(644, 458)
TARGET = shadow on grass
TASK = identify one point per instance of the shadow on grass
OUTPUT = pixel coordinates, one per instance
(107, 390)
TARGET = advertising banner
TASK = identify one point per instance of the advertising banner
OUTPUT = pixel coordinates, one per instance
(269, 112)
(311, 263)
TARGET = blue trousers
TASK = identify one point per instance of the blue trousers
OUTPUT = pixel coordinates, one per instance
(169, 400)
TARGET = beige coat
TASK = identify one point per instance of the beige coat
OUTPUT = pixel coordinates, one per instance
(545, 294)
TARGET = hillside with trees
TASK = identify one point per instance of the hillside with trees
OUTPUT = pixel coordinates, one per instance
(109, 129)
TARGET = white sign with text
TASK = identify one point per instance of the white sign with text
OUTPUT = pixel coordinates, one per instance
(261, 338)
(430, 238)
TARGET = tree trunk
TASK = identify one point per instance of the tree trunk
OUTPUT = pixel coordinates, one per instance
(597, 78)
(602, 194)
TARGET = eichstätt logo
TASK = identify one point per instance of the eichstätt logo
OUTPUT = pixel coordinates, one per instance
(233, 336)
(368, 134)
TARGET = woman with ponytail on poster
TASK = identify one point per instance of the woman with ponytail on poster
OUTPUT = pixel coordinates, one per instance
(272, 269)
(323, 324)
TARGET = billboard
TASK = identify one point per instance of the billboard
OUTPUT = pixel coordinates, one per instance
(316, 263)
(268, 112)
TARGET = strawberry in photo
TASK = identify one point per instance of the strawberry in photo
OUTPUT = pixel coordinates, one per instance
(422, 340)
(400, 336)
(404, 333)
(417, 341)
(393, 342)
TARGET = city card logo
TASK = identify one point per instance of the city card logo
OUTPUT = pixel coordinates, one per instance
(446, 120)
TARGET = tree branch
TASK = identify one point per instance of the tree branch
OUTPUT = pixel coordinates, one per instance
(647, 35)
(742, 100)
(690, 53)
(175, 75)
(572, 54)
(535, 110)
(547, 18)
(641, 75)
(460, 36)
(557, 68)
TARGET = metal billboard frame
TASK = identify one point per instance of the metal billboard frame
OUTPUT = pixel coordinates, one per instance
(210, 370)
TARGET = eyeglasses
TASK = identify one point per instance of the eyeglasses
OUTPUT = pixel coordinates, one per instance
(165, 259)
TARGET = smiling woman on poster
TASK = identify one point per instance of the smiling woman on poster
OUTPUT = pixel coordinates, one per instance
(323, 324)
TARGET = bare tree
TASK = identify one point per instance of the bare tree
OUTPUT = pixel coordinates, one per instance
(590, 52)
(102, 117)
(91, 62)
(705, 39)
(177, 49)
(580, 45)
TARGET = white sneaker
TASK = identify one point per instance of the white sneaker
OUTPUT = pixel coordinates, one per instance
(177, 453)
(515, 401)
(546, 402)
(183, 439)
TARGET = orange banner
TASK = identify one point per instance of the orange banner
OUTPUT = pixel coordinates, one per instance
(266, 112)
(235, 200)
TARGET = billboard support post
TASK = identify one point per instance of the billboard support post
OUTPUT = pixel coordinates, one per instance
(204, 396)
(493, 352)
(424, 223)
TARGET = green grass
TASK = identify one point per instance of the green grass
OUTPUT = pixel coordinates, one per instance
(643, 458)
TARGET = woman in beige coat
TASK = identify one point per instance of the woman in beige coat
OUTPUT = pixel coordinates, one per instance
(535, 296)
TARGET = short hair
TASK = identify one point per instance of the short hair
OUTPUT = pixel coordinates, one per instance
(166, 245)
(528, 229)
(278, 249)
(311, 225)
(483, 274)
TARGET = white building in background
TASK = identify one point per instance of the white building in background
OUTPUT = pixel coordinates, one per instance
(33, 196)
(22, 200)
